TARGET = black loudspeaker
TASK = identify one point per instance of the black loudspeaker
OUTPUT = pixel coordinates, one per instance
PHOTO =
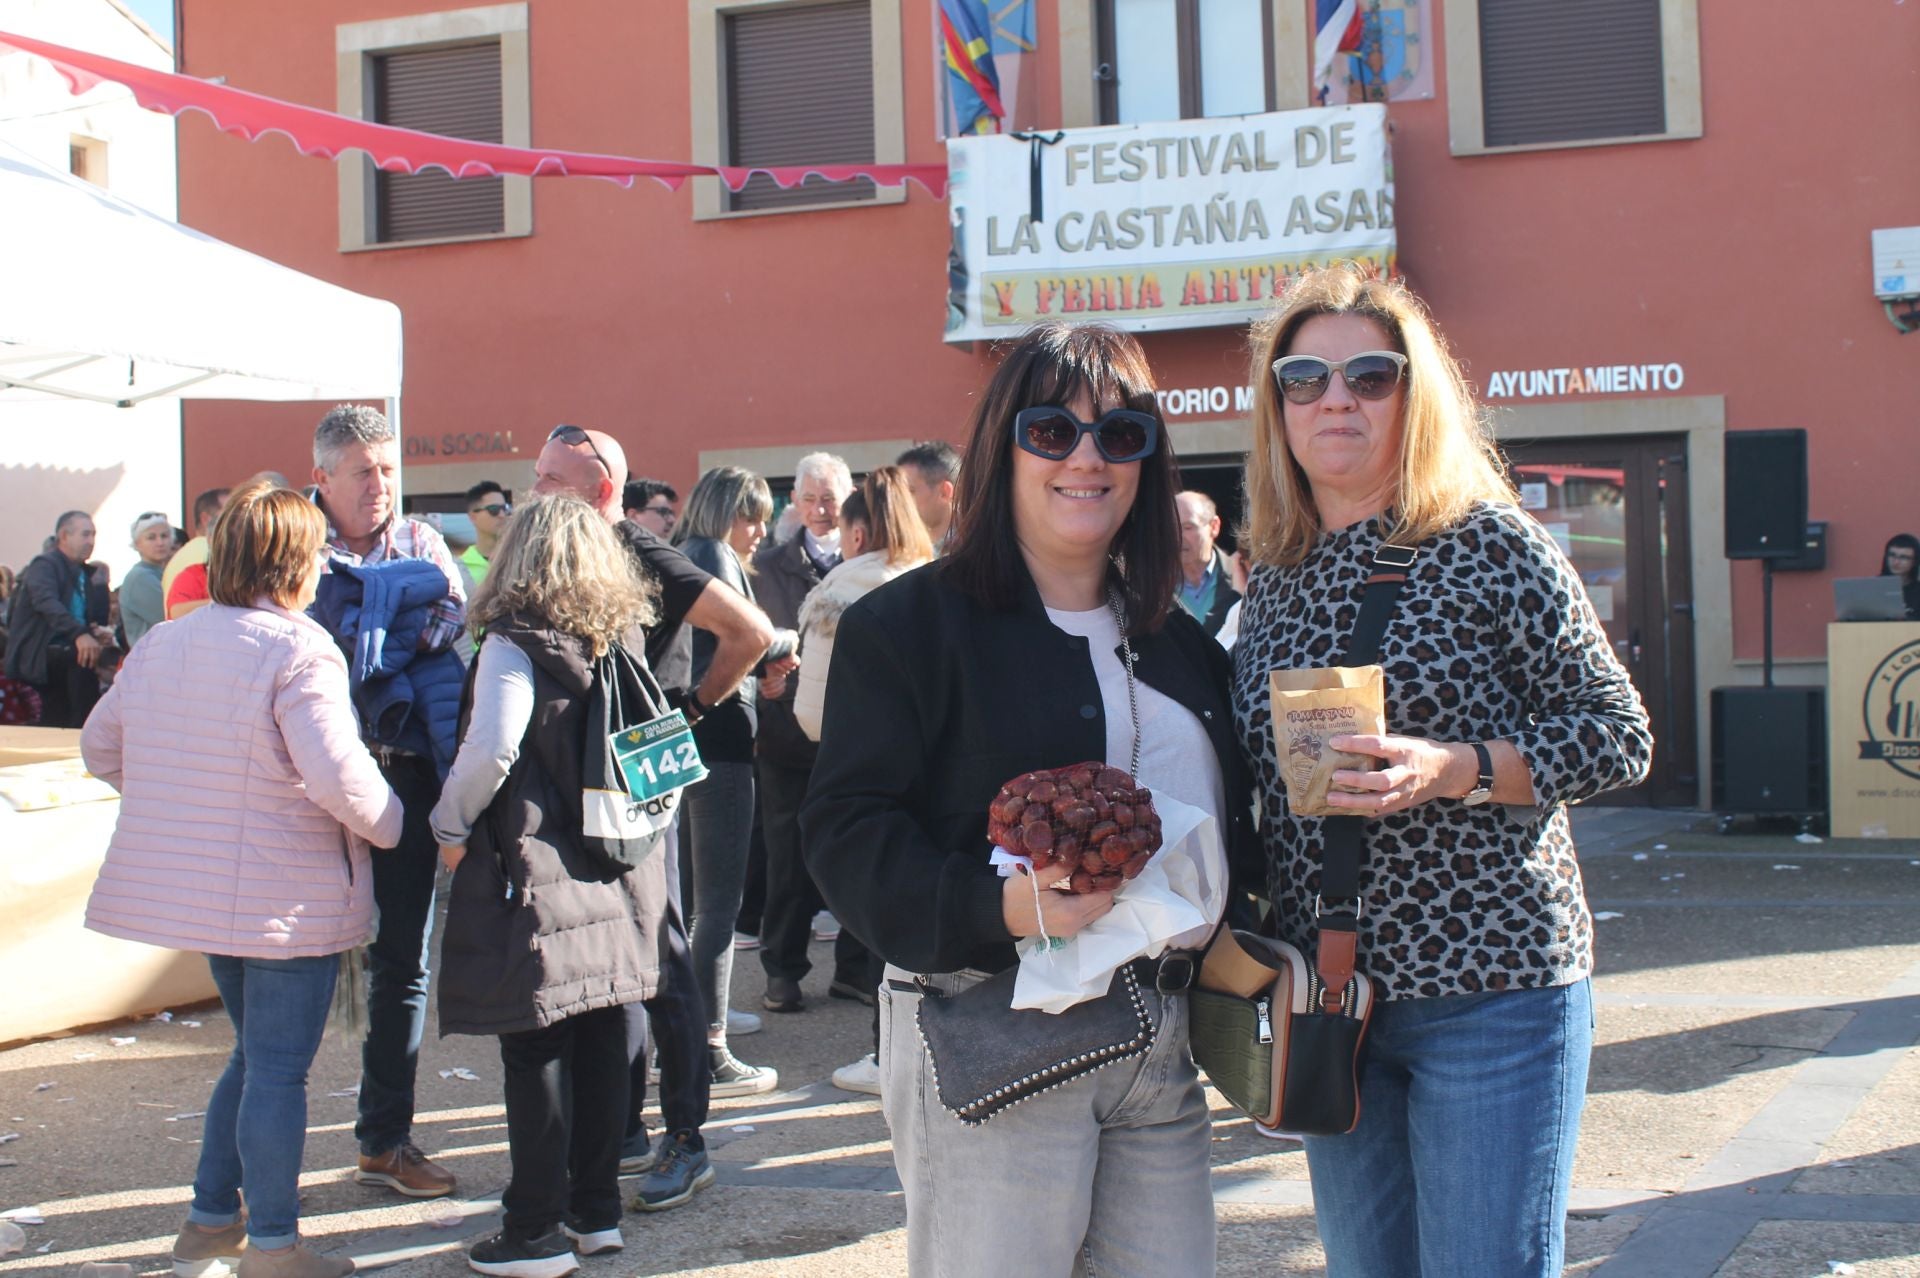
(1766, 494)
(1769, 750)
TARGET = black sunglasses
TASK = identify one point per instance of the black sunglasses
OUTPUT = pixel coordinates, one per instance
(1122, 435)
(496, 509)
(1369, 375)
(572, 435)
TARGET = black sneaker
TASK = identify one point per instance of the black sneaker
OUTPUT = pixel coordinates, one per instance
(548, 1256)
(852, 992)
(637, 1153)
(783, 995)
(594, 1242)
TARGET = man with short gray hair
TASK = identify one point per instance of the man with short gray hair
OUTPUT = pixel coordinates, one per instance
(783, 754)
(356, 474)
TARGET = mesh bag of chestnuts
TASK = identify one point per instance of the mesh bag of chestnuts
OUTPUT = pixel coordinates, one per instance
(1091, 816)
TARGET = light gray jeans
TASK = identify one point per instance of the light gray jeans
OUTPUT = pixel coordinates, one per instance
(1107, 1176)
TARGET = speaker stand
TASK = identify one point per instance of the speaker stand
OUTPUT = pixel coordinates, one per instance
(1766, 623)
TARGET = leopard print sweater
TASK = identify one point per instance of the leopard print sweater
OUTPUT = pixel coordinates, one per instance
(1493, 638)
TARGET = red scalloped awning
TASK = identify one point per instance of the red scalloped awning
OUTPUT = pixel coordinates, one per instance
(316, 132)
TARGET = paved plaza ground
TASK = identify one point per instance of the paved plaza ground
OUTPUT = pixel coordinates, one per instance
(1754, 1110)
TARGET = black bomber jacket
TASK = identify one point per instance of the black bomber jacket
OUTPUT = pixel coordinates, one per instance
(933, 702)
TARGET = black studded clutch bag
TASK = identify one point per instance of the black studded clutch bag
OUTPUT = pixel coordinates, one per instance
(987, 1056)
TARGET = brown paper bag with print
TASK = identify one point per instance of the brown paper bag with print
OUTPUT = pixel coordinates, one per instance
(1311, 706)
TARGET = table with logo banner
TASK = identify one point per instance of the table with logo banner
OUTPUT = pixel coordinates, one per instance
(55, 822)
(1873, 729)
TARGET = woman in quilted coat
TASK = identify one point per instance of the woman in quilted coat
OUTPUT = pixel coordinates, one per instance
(247, 806)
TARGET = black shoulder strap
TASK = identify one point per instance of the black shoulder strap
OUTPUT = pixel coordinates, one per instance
(1343, 838)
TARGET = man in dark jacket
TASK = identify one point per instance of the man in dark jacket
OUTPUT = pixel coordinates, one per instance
(783, 760)
(59, 625)
(1206, 580)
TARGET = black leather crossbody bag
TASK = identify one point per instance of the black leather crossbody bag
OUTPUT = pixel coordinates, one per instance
(1281, 1033)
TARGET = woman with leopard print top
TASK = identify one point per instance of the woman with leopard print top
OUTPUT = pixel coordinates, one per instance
(1504, 704)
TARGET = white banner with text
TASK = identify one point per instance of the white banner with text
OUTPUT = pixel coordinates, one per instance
(1189, 224)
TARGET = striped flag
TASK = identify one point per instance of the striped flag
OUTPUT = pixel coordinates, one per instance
(972, 81)
(1337, 30)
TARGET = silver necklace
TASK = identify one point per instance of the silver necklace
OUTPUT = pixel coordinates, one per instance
(1133, 700)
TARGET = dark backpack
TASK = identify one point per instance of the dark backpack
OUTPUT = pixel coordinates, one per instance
(616, 832)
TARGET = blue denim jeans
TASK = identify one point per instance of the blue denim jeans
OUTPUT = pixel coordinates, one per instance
(403, 880)
(256, 1125)
(1470, 1109)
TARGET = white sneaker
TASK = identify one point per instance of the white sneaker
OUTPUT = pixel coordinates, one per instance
(825, 926)
(739, 1023)
(862, 1076)
(745, 941)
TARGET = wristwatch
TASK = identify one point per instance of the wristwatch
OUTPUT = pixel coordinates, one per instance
(692, 709)
(1482, 791)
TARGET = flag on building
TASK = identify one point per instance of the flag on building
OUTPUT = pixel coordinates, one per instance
(973, 83)
(1337, 29)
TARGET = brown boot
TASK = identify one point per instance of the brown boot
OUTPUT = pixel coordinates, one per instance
(294, 1262)
(405, 1169)
(204, 1253)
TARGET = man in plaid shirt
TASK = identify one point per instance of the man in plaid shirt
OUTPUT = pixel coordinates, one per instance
(356, 460)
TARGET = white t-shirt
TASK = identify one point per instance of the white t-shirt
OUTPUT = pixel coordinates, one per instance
(1176, 755)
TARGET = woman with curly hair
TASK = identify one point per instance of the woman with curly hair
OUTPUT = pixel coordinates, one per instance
(543, 948)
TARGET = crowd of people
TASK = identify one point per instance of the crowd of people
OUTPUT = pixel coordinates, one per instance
(860, 675)
(64, 627)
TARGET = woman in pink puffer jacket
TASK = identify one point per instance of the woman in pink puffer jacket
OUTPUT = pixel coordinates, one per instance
(247, 806)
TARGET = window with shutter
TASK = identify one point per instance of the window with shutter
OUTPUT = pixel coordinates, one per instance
(800, 91)
(454, 91)
(1559, 73)
(1570, 71)
(462, 73)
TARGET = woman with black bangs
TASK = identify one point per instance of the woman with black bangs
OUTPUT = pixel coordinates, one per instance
(1045, 638)
(1901, 559)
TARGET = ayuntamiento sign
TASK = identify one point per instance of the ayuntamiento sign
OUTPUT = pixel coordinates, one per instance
(1188, 224)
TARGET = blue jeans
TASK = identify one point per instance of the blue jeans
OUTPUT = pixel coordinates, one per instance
(1470, 1109)
(256, 1125)
(397, 962)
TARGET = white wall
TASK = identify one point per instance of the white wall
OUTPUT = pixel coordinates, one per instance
(111, 462)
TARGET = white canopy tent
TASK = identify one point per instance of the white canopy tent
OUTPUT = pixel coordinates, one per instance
(103, 301)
